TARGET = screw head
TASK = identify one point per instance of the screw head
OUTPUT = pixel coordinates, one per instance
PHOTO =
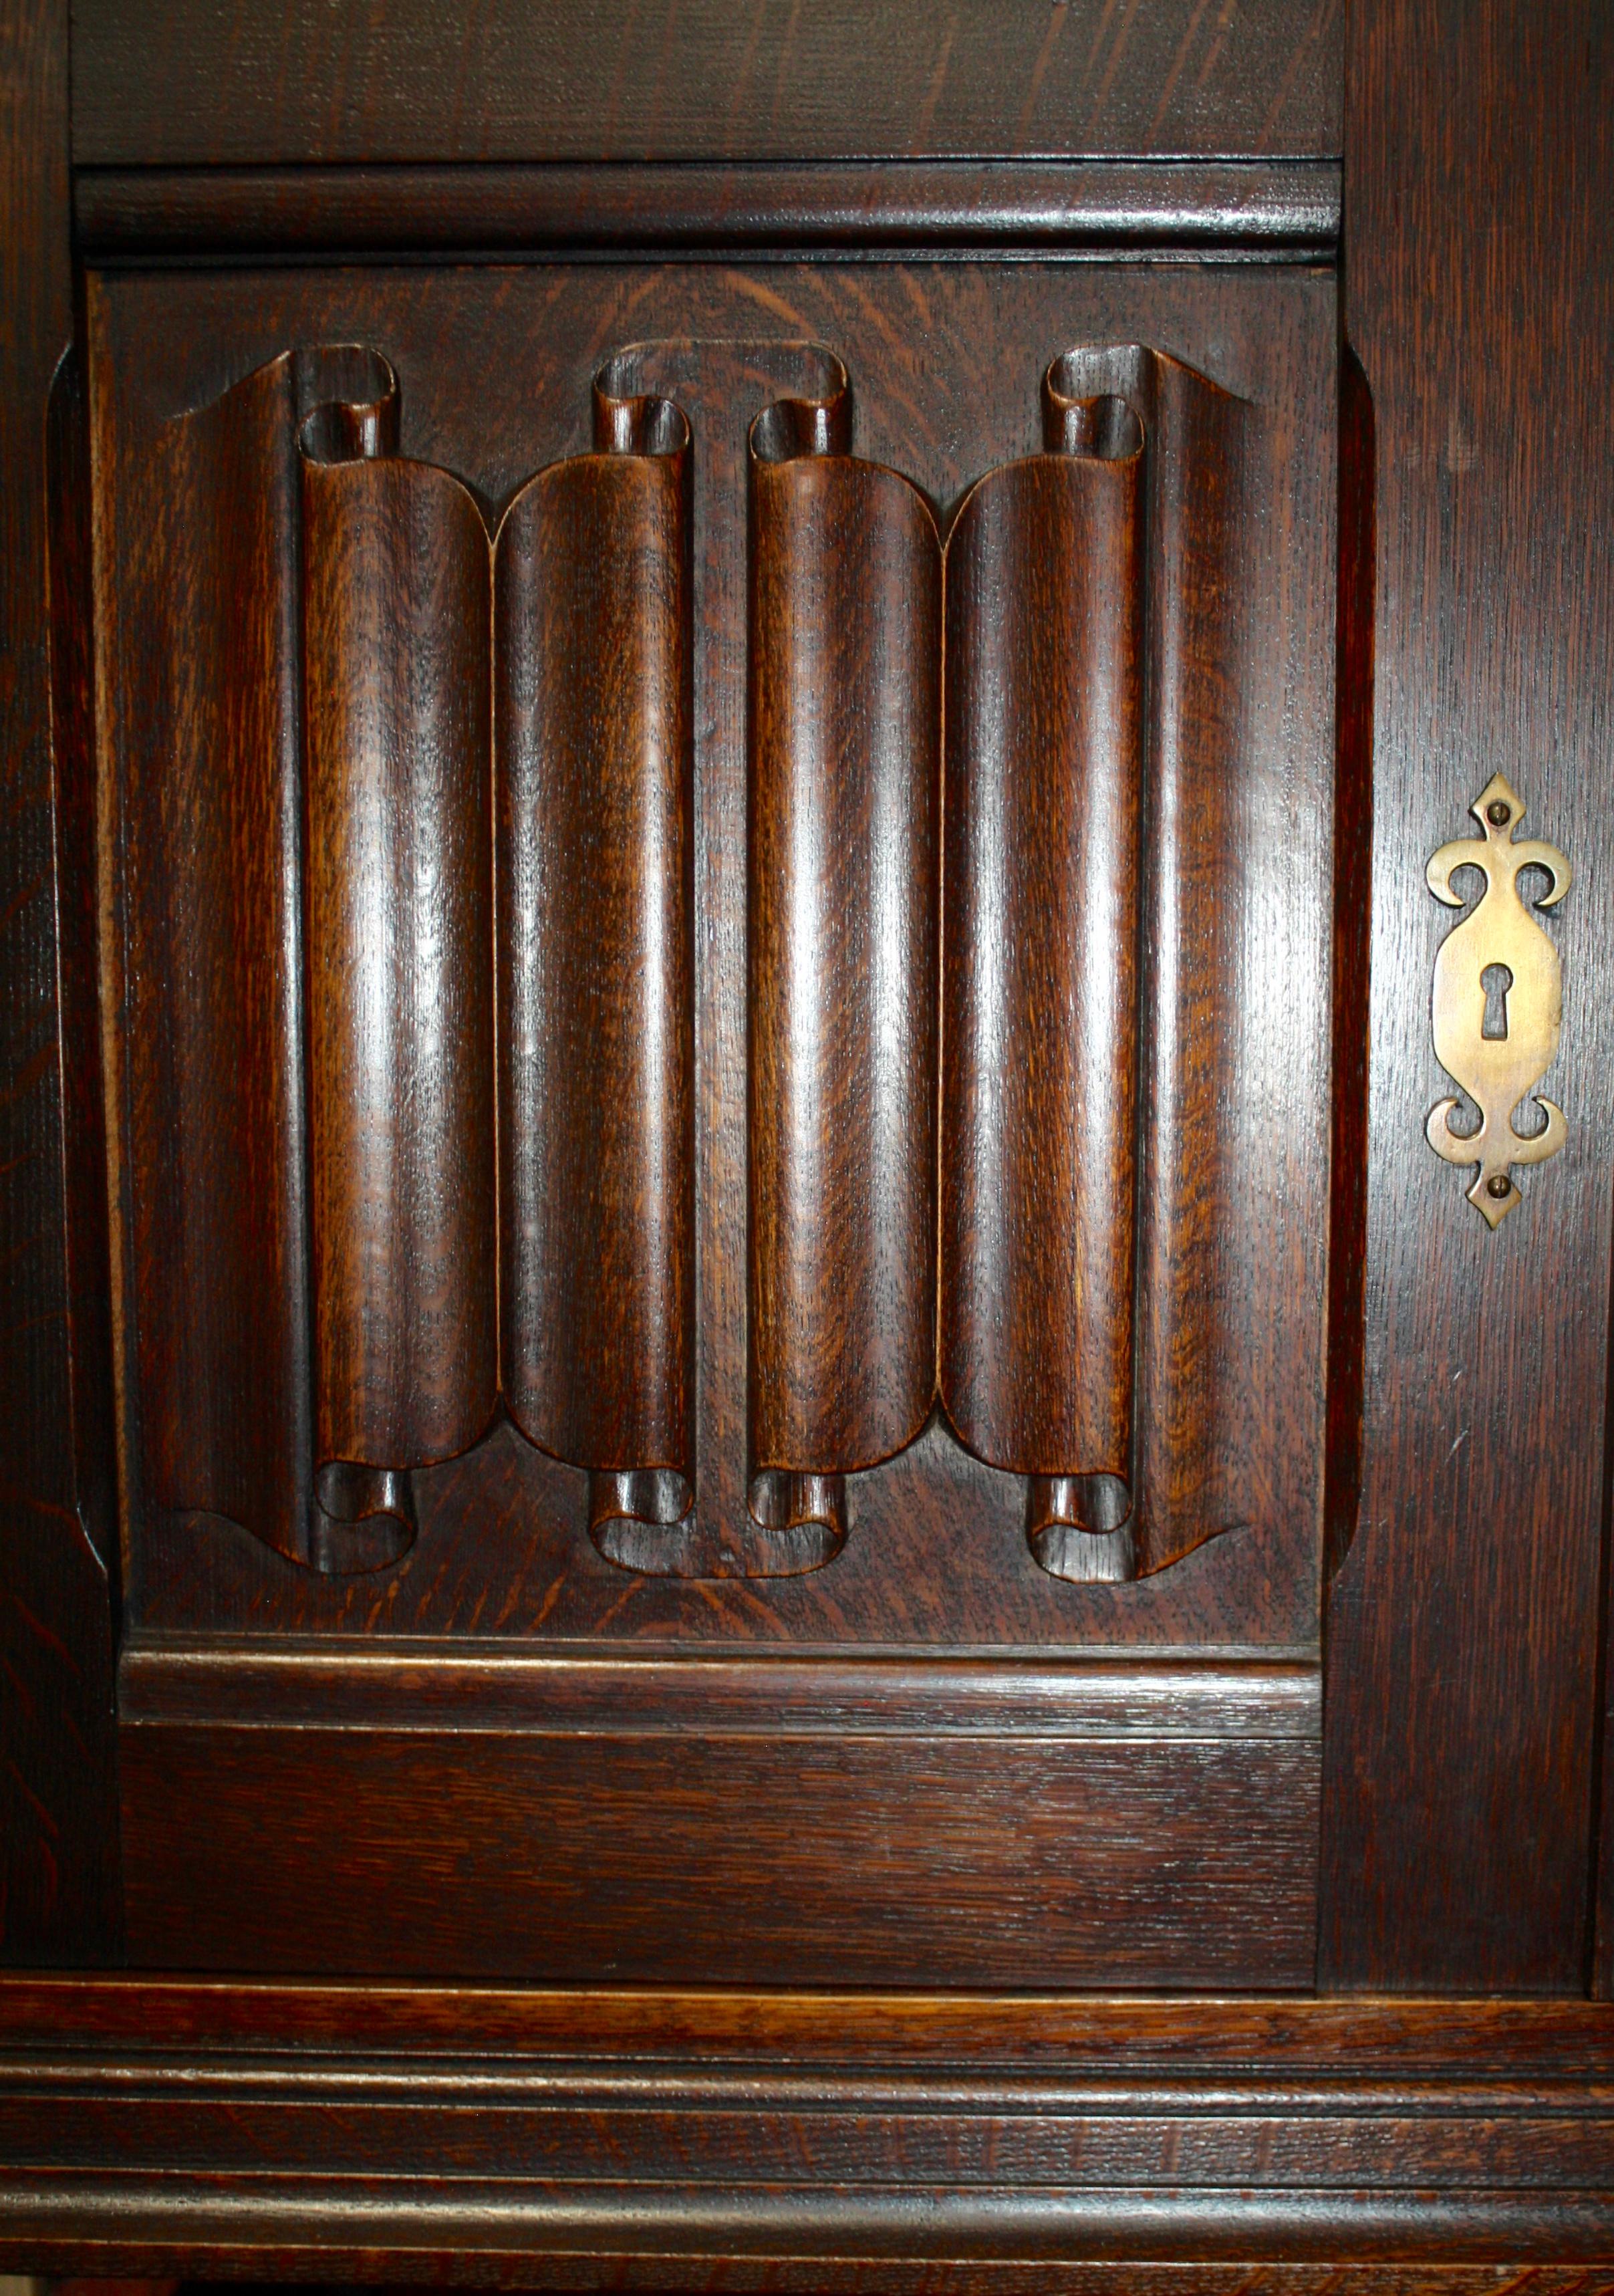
(1498, 1185)
(1499, 813)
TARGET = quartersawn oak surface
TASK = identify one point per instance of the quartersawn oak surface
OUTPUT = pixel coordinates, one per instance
(189, 82)
(495, 370)
(1464, 1629)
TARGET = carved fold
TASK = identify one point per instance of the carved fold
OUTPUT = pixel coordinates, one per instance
(844, 706)
(1202, 870)
(399, 896)
(1044, 713)
(596, 968)
(1092, 872)
(214, 958)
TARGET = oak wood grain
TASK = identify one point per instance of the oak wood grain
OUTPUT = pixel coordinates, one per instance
(398, 738)
(593, 704)
(1464, 1625)
(186, 83)
(495, 382)
(1283, 207)
(743, 1859)
(845, 739)
(748, 2140)
(1045, 602)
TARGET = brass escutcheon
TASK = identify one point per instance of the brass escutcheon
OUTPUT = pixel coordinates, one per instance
(1498, 1001)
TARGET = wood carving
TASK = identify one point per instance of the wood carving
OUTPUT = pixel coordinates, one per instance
(844, 751)
(596, 966)
(399, 903)
(984, 1160)
(1094, 770)
(213, 831)
(310, 907)
(1498, 1003)
(1045, 791)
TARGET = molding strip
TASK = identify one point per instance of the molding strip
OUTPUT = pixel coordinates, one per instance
(1278, 210)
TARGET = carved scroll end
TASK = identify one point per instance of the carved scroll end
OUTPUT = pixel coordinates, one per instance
(643, 1519)
(794, 430)
(631, 422)
(1497, 1005)
(364, 1518)
(1079, 1528)
(797, 1521)
(347, 404)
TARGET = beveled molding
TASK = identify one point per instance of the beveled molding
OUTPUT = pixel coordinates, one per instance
(870, 2141)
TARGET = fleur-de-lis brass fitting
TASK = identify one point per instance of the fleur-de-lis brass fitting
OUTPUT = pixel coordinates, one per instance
(1498, 1001)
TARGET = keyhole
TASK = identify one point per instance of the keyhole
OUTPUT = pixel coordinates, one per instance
(1496, 981)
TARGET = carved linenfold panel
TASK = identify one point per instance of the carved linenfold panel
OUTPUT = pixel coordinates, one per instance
(845, 730)
(596, 966)
(1043, 795)
(688, 1097)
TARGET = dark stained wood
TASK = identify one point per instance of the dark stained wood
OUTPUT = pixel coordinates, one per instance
(183, 82)
(1353, 917)
(720, 1859)
(1211, 1174)
(397, 738)
(1044, 788)
(1010, 2030)
(495, 371)
(593, 706)
(1463, 1627)
(230, 1678)
(1280, 208)
(58, 1534)
(845, 732)
(210, 968)
(878, 2142)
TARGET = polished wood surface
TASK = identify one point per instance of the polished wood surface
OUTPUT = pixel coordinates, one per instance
(481, 838)
(1045, 608)
(1283, 207)
(722, 1856)
(58, 1541)
(851, 2141)
(934, 1499)
(397, 686)
(185, 83)
(1464, 1624)
(843, 925)
(593, 704)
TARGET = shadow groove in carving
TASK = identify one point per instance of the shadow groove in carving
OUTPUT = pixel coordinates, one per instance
(842, 921)
(1092, 781)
